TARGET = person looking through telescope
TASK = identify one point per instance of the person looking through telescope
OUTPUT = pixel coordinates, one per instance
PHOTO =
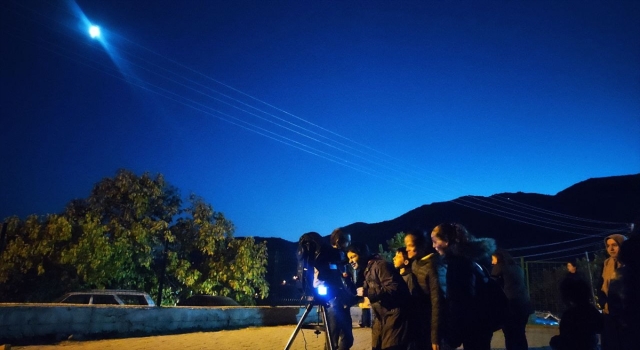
(335, 286)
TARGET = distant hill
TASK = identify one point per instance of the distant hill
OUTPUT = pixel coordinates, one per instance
(523, 219)
(515, 220)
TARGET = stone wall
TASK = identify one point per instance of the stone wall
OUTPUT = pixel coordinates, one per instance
(21, 322)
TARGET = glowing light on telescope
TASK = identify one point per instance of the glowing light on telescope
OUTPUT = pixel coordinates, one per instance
(94, 31)
(322, 290)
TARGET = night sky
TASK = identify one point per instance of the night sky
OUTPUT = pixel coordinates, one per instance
(296, 116)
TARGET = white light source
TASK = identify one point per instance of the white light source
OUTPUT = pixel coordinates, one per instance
(94, 31)
(322, 290)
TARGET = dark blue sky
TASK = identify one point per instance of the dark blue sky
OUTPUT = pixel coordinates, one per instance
(293, 116)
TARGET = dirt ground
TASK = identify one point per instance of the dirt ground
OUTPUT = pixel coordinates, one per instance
(258, 338)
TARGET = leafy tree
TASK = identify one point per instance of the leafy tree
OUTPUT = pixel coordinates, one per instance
(29, 266)
(206, 259)
(393, 244)
(120, 224)
(131, 232)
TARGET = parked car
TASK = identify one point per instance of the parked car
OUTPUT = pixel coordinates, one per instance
(208, 300)
(107, 297)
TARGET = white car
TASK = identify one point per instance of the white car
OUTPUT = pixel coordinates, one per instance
(107, 297)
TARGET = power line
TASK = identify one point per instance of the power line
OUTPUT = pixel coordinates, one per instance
(470, 202)
(513, 202)
(561, 250)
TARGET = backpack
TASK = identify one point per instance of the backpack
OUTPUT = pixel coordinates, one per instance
(494, 304)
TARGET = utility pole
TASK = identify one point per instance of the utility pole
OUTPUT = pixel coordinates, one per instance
(593, 296)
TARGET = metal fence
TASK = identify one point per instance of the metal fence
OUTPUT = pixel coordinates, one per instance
(543, 280)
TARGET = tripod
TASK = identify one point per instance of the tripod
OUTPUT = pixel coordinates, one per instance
(317, 327)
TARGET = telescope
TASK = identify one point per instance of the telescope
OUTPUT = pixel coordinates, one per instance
(319, 280)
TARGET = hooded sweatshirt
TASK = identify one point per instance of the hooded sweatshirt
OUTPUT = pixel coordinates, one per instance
(610, 267)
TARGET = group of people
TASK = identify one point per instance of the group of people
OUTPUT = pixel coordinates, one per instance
(434, 301)
(437, 300)
(614, 314)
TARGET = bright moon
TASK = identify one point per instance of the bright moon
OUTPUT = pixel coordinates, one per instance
(94, 31)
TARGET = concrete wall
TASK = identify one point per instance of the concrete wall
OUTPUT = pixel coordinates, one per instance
(20, 322)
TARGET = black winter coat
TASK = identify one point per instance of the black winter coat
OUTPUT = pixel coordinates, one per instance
(466, 314)
(511, 279)
(388, 294)
(430, 273)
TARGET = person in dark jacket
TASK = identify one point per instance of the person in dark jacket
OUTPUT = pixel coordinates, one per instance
(624, 295)
(581, 322)
(573, 272)
(330, 271)
(416, 314)
(388, 294)
(402, 263)
(510, 276)
(468, 320)
(572, 269)
(428, 300)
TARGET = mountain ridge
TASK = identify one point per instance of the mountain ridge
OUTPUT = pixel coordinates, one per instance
(584, 212)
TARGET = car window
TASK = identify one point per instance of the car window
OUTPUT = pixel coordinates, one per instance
(77, 299)
(104, 300)
(130, 299)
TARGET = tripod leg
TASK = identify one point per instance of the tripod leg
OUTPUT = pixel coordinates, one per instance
(327, 332)
(295, 332)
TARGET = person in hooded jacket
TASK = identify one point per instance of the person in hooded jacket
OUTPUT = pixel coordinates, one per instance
(428, 299)
(624, 295)
(468, 320)
(611, 335)
(388, 294)
(510, 276)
